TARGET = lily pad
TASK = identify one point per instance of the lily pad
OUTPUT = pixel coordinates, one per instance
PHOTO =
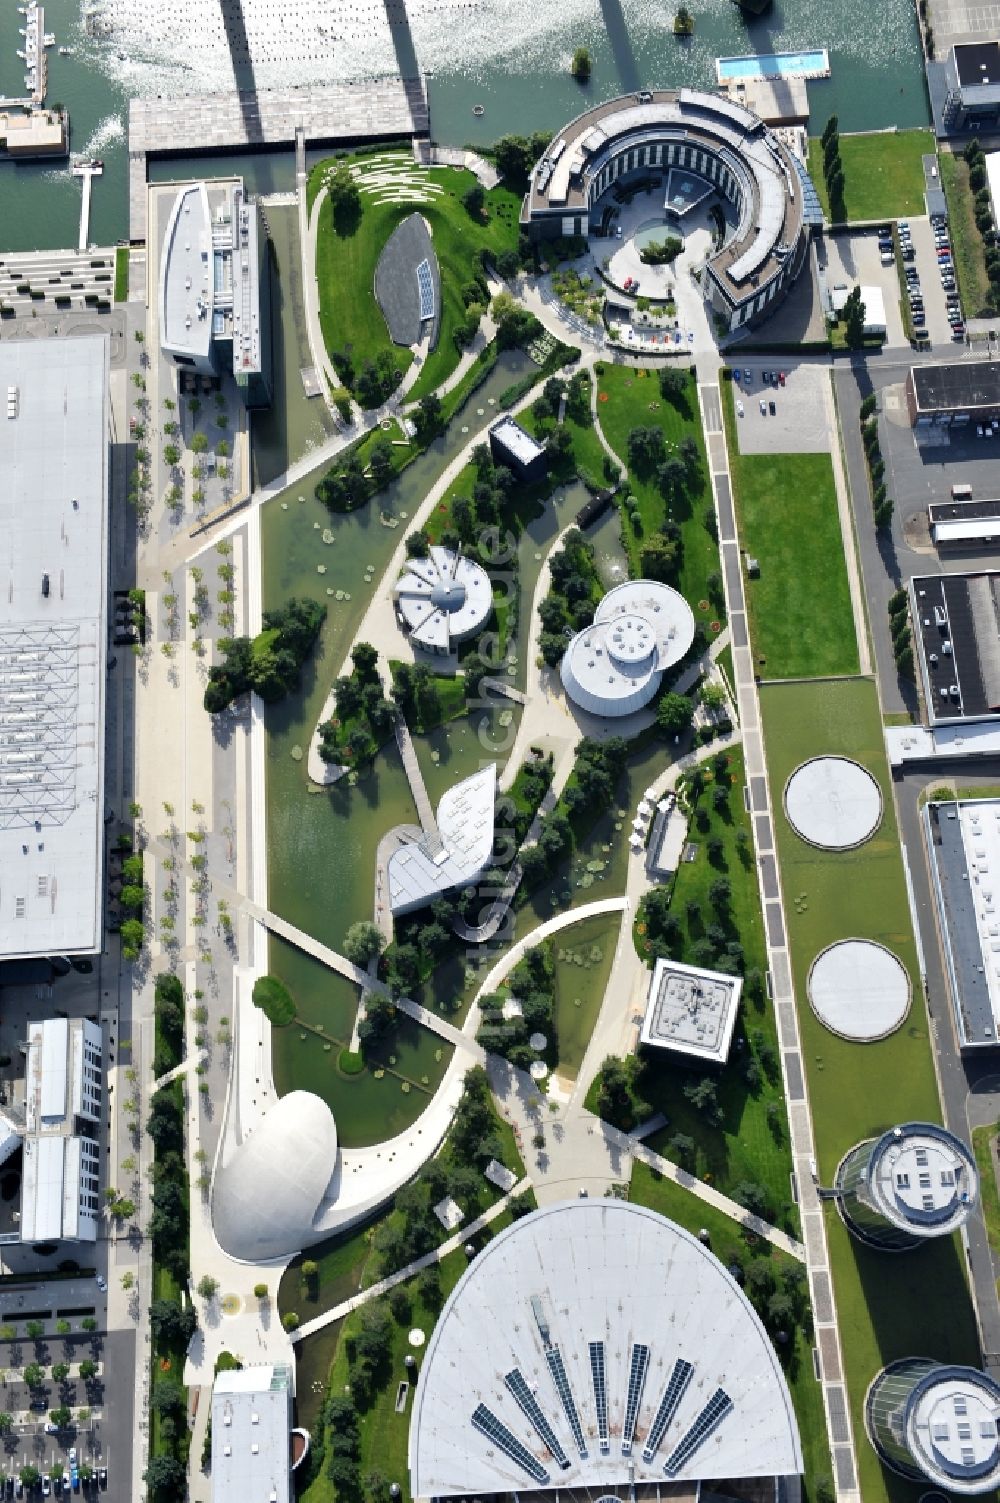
(297, 754)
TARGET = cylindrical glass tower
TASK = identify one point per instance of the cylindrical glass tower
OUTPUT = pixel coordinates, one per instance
(937, 1424)
(914, 1182)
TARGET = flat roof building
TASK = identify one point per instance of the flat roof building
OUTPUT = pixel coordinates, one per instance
(956, 393)
(615, 666)
(872, 301)
(214, 297)
(53, 644)
(971, 88)
(251, 1435)
(963, 845)
(618, 145)
(957, 641)
(592, 1346)
(514, 446)
(691, 1011)
(937, 1423)
(917, 1181)
(443, 600)
(64, 1094)
(422, 870)
(964, 524)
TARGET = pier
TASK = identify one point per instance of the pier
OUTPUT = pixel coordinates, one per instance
(328, 114)
(88, 171)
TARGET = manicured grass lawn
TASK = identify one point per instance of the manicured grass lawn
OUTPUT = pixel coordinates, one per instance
(801, 620)
(350, 317)
(121, 274)
(858, 1090)
(983, 1139)
(883, 174)
(966, 241)
(587, 456)
(628, 399)
(582, 958)
(729, 1241)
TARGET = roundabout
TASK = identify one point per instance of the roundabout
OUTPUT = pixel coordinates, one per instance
(833, 803)
(859, 990)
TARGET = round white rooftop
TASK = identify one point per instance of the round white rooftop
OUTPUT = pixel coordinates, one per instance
(859, 990)
(443, 599)
(951, 1429)
(833, 803)
(614, 666)
(923, 1179)
(605, 1290)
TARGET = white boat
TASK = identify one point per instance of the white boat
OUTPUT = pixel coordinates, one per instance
(65, 52)
(49, 39)
(21, 54)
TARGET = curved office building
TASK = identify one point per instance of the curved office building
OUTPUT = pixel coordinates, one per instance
(915, 1182)
(640, 138)
(640, 629)
(938, 1424)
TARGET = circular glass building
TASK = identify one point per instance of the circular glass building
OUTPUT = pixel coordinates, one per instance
(640, 629)
(937, 1424)
(914, 1182)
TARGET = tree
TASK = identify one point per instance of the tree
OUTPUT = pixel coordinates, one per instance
(166, 1477)
(428, 416)
(173, 1325)
(35, 1329)
(34, 1375)
(581, 65)
(60, 1372)
(30, 1477)
(854, 320)
(683, 22)
(88, 1370)
(208, 1287)
(89, 1323)
(345, 199)
(171, 454)
(62, 1417)
(168, 1396)
(674, 714)
(474, 201)
(6, 1422)
(363, 942)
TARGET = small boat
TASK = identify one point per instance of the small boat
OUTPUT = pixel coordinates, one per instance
(49, 39)
(21, 54)
(65, 52)
(97, 165)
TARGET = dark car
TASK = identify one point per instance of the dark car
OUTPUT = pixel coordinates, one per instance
(771, 408)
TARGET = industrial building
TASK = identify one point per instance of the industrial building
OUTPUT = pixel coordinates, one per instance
(514, 446)
(455, 854)
(917, 1181)
(594, 1346)
(971, 88)
(54, 478)
(626, 144)
(963, 845)
(872, 301)
(443, 600)
(937, 1423)
(615, 666)
(254, 1447)
(691, 1012)
(214, 296)
(954, 394)
(964, 524)
(957, 643)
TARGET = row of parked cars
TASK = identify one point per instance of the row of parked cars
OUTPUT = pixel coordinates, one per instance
(946, 271)
(48, 1486)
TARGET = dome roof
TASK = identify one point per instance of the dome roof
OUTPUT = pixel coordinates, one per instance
(266, 1198)
(615, 666)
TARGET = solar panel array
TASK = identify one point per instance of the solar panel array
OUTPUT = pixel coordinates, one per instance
(638, 1368)
(40, 670)
(667, 1407)
(425, 287)
(714, 1412)
(486, 1422)
(553, 1357)
(529, 1405)
(599, 1374)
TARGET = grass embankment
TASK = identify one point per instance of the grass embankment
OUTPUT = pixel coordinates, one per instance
(801, 620)
(883, 173)
(350, 317)
(627, 399)
(983, 1141)
(729, 1242)
(745, 1147)
(121, 274)
(859, 1090)
(968, 251)
(585, 456)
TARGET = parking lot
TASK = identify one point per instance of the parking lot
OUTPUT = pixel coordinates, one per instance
(856, 260)
(798, 424)
(926, 263)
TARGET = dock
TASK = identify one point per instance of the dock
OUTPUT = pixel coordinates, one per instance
(88, 171)
(327, 114)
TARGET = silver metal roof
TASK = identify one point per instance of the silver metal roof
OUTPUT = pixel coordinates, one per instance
(187, 294)
(421, 870)
(251, 1424)
(595, 1344)
(53, 605)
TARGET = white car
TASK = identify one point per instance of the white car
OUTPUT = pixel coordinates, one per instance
(739, 409)
(101, 1282)
(763, 408)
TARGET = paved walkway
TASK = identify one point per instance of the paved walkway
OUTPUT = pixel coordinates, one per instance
(186, 1065)
(374, 1291)
(415, 778)
(835, 1399)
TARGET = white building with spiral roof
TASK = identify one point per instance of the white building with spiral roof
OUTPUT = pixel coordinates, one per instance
(615, 666)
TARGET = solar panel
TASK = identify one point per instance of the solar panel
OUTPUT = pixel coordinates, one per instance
(598, 1373)
(486, 1422)
(673, 1393)
(638, 1368)
(553, 1357)
(529, 1406)
(425, 288)
(714, 1412)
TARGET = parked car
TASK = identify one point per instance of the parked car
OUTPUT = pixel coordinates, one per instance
(781, 378)
(101, 1282)
(763, 408)
(746, 375)
(771, 408)
(739, 409)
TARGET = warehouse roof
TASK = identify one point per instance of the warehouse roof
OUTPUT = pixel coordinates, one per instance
(962, 387)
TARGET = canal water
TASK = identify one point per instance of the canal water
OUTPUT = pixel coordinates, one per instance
(523, 85)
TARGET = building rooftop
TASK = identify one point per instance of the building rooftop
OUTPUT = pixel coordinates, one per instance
(964, 842)
(187, 295)
(517, 440)
(53, 643)
(963, 386)
(977, 63)
(955, 628)
(614, 666)
(923, 1179)
(595, 1344)
(691, 1011)
(953, 1429)
(444, 599)
(420, 870)
(251, 1420)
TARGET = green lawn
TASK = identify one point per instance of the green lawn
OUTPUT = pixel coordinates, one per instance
(983, 1139)
(801, 620)
(729, 1241)
(350, 317)
(627, 399)
(121, 274)
(966, 241)
(586, 459)
(883, 173)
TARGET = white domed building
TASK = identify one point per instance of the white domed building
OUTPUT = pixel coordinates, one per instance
(615, 666)
(443, 600)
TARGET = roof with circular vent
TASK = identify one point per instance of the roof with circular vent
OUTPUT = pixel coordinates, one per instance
(615, 666)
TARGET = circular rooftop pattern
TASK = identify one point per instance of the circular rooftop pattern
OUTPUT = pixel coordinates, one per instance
(937, 1423)
(833, 803)
(443, 599)
(592, 1344)
(614, 666)
(922, 1179)
(859, 990)
(266, 1197)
